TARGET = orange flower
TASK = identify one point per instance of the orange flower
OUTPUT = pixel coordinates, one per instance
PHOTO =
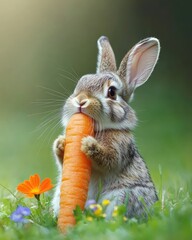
(33, 187)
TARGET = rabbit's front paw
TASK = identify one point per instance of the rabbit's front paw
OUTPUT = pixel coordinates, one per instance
(89, 146)
(58, 147)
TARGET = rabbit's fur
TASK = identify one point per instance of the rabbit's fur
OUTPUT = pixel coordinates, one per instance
(116, 164)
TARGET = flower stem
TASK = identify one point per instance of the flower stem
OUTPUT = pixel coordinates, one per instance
(37, 196)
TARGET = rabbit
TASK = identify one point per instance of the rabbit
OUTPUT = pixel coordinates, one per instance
(117, 165)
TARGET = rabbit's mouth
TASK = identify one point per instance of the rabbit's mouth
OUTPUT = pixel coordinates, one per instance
(71, 109)
(83, 103)
(81, 110)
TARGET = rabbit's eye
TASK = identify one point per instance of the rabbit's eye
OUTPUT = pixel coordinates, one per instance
(112, 93)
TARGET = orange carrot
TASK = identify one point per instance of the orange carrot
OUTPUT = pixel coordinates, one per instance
(76, 170)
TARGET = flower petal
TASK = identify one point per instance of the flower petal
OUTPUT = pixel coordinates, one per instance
(35, 191)
(89, 202)
(98, 210)
(34, 180)
(16, 217)
(30, 195)
(28, 184)
(46, 185)
(23, 188)
(25, 211)
(105, 202)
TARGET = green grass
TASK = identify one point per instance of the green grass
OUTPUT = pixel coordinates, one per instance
(170, 218)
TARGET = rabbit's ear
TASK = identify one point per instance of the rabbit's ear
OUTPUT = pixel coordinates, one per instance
(138, 63)
(106, 58)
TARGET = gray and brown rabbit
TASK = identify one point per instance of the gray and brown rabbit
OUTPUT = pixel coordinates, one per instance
(104, 96)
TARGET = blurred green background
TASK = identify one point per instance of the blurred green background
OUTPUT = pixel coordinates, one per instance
(45, 46)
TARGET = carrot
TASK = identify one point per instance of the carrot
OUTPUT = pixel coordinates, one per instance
(76, 170)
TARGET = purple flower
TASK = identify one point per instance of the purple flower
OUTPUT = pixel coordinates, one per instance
(19, 214)
(16, 217)
(90, 202)
(25, 211)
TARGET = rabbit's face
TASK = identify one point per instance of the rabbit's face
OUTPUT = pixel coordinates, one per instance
(100, 96)
(104, 95)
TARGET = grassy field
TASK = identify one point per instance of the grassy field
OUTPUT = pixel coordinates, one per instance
(164, 139)
(171, 219)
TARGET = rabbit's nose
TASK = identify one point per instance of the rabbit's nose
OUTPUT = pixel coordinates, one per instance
(83, 102)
